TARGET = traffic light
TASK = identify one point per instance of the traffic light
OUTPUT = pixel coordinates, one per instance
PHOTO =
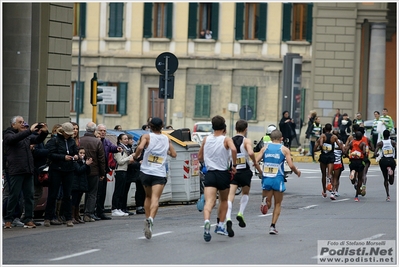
(95, 91)
(171, 82)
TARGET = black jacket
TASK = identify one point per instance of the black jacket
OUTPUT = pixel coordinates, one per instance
(17, 150)
(57, 147)
(80, 176)
(309, 129)
(39, 158)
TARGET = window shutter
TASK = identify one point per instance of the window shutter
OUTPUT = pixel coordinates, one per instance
(147, 33)
(262, 21)
(101, 109)
(239, 20)
(82, 20)
(309, 23)
(119, 20)
(215, 21)
(287, 10)
(206, 101)
(198, 101)
(192, 20)
(169, 20)
(112, 20)
(121, 100)
(252, 97)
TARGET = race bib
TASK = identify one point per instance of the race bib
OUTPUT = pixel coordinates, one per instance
(326, 147)
(241, 161)
(155, 159)
(387, 151)
(270, 169)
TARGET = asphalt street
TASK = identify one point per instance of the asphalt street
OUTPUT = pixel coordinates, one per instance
(177, 238)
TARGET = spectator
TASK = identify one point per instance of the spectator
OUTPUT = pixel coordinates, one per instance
(312, 116)
(345, 127)
(118, 128)
(202, 34)
(208, 34)
(358, 120)
(17, 141)
(387, 121)
(109, 149)
(133, 170)
(62, 151)
(123, 158)
(336, 120)
(79, 184)
(95, 150)
(287, 128)
(19, 167)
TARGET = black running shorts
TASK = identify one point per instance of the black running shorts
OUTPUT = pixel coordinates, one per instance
(218, 179)
(242, 178)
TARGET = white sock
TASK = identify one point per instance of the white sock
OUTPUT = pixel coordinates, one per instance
(221, 224)
(243, 203)
(151, 219)
(229, 207)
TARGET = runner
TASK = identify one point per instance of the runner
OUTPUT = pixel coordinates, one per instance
(156, 147)
(357, 150)
(243, 176)
(327, 157)
(274, 155)
(215, 152)
(387, 160)
(338, 167)
(369, 146)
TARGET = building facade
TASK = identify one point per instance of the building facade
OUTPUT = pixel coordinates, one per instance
(346, 48)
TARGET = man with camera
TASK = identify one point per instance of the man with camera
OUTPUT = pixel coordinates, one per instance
(20, 167)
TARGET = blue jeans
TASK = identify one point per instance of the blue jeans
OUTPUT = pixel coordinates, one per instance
(56, 178)
(18, 183)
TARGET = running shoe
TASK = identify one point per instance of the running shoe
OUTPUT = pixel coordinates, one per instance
(324, 195)
(390, 172)
(229, 228)
(356, 199)
(222, 231)
(363, 190)
(332, 196)
(263, 207)
(207, 229)
(273, 231)
(336, 194)
(240, 219)
(388, 199)
(148, 228)
(352, 175)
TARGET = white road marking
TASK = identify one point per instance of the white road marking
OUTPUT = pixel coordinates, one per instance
(308, 207)
(340, 200)
(264, 215)
(157, 234)
(74, 255)
(367, 238)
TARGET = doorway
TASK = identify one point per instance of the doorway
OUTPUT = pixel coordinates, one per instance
(155, 104)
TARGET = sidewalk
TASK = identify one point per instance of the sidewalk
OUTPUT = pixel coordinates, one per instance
(298, 158)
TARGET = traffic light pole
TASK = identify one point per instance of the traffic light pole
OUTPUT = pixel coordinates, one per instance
(94, 97)
(165, 106)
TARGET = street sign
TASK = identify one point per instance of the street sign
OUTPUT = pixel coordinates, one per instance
(246, 113)
(173, 63)
(108, 94)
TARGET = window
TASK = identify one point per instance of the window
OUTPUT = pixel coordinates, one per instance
(202, 107)
(115, 20)
(203, 16)
(121, 100)
(79, 19)
(251, 21)
(297, 22)
(249, 97)
(158, 20)
(77, 98)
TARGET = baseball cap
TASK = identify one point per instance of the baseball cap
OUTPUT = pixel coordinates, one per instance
(26, 124)
(68, 128)
(157, 122)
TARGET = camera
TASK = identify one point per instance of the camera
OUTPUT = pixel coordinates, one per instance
(39, 126)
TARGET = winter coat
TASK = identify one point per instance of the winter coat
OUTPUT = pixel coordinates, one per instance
(19, 158)
(95, 150)
(58, 148)
(310, 125)
(80, 182)
(108, 147)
